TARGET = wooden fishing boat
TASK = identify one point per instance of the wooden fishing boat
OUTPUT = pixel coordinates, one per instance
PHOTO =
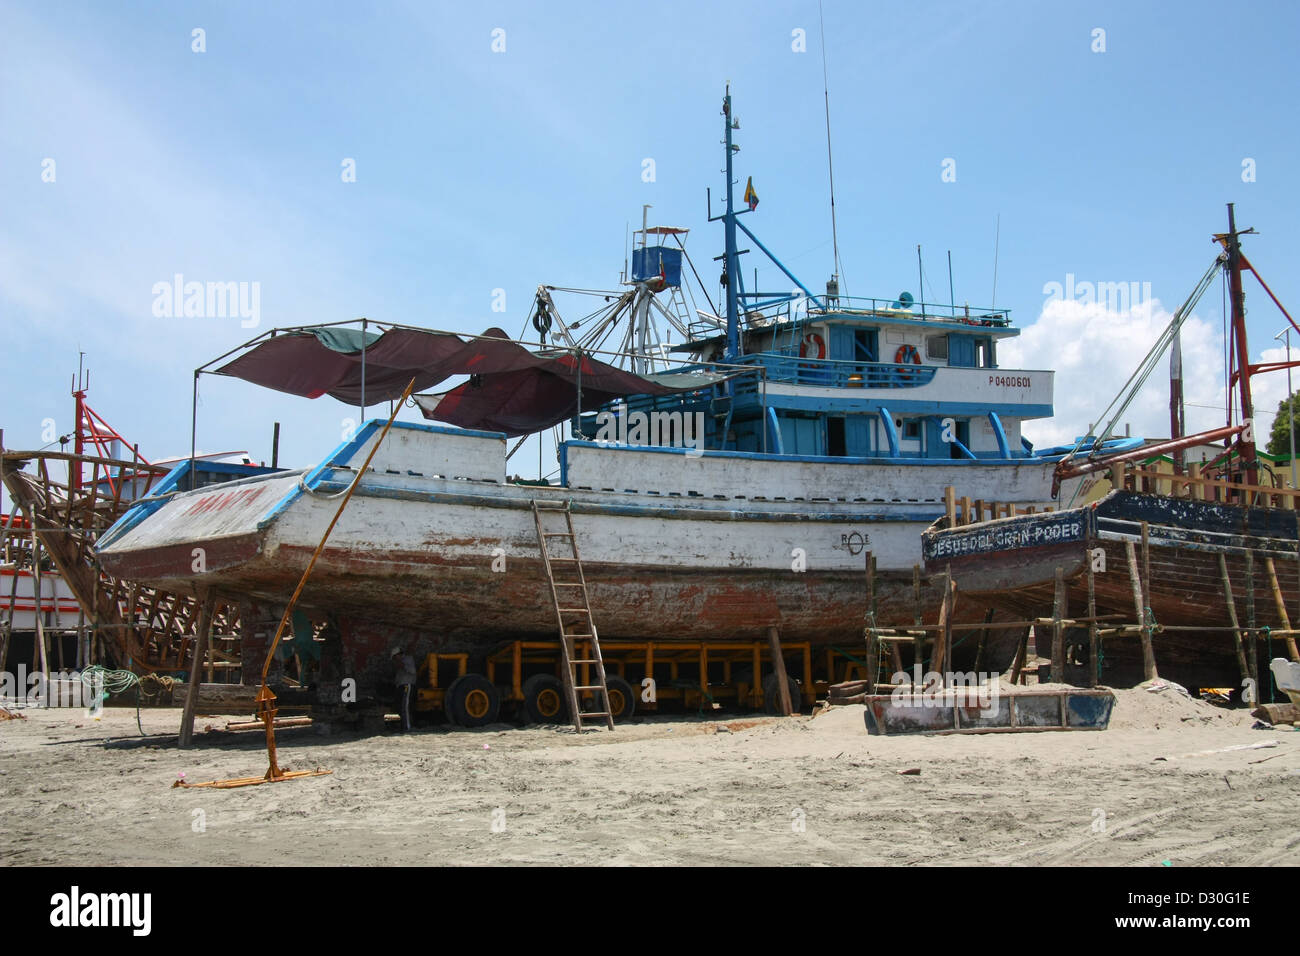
(1206, 574)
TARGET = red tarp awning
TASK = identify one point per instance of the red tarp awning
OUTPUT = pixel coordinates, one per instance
(511, 390)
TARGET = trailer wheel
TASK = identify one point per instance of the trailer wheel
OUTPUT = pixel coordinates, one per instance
(544, 699)
(472, 701)
(622, 699)
(772, 694)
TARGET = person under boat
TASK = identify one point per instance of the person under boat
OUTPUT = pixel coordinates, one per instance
(404, 678)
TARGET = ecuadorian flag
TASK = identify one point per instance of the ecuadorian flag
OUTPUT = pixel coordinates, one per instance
(751, 197)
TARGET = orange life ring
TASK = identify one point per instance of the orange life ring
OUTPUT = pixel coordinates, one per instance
(906, 354)
(810, 340)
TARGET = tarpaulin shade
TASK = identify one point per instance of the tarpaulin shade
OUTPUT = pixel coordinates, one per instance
(511, 389)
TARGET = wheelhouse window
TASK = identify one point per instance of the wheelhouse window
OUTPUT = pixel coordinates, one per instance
(864, 345)
(936, 347)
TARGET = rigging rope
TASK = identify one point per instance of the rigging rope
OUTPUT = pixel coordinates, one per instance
(1120, 404)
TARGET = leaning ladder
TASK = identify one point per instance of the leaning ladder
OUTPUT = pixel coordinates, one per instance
(573, 615)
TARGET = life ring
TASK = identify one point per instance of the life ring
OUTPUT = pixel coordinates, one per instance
(809, 341)
(907, 354)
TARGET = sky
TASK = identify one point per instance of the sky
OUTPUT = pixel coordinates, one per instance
(405, 161)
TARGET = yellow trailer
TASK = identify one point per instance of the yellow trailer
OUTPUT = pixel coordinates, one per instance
(642, 676)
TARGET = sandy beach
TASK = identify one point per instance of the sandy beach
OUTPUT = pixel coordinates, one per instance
(658, 791)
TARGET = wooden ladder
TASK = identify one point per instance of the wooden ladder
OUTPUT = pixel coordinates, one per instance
(573, 615)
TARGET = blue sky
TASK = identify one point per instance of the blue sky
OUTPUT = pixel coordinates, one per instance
(478, 170)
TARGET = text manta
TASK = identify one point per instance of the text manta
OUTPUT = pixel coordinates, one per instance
(75, 909)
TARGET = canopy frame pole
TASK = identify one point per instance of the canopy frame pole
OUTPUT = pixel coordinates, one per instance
(194, 426)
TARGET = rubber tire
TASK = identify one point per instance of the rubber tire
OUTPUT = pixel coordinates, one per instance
(772, 695)
(458, 695)
(619, 688)
(533, 688)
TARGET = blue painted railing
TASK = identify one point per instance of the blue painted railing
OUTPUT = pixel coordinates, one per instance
(795, 306)
(838, 374)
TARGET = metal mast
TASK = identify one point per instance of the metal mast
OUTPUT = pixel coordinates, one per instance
(732, 270)
(1246, 443)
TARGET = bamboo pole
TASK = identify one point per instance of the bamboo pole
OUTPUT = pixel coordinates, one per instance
(266, 698)
(1231, 604)
(1282, 614)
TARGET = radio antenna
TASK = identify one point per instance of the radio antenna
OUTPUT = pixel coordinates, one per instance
(997, 241)
(830, 167)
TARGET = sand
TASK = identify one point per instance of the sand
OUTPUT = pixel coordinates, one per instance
(659, 791)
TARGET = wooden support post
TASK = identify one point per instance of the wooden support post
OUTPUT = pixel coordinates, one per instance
(950, 594)
(1146, 565)
(1195, 490)
(944, 640)
(950, 505)
(872, 639)
(873, 660)
(1094, 650)
(984, 636)
(1117, 477)
(196, 669)
(965, 510)
(1252, 646)
(38, 589)
(1058, 631)
(1018, 663)
(979, 510)
(9, 624)
(778, 668)
(1135, 580)
(1282, 614)
(1231, 604)
(918, 643)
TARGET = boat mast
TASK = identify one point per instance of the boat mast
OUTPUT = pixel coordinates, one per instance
(732, 270)
(1177, 421)
(1246, 442)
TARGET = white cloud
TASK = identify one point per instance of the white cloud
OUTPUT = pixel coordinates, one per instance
(1094, 350)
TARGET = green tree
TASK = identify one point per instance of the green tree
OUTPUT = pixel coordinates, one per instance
(1279, 442)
